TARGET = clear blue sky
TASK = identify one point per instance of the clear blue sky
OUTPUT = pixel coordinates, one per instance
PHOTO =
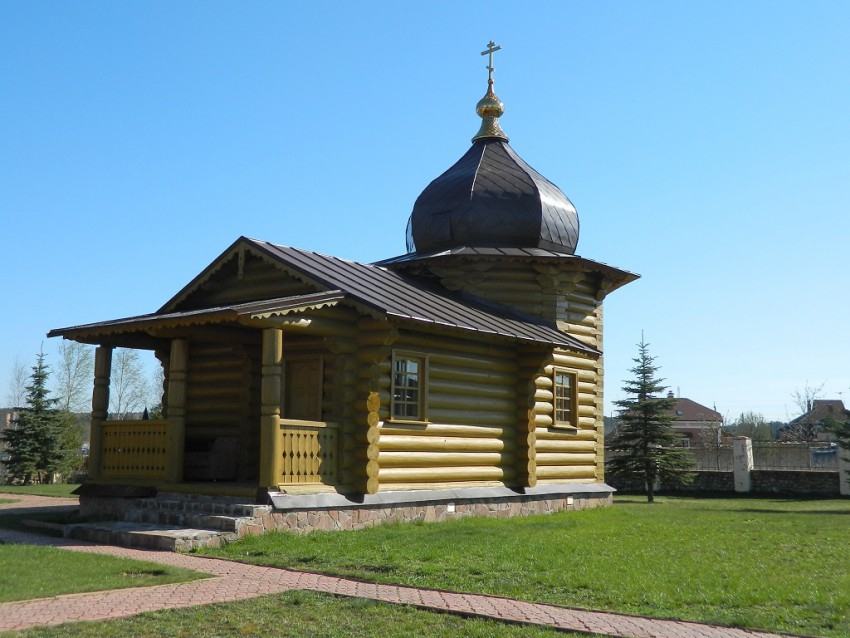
(706, 146)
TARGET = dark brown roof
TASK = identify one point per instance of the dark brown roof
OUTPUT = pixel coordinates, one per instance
(821, 409)
(216, 314)
(492, 197)
(374, 288)
(687, 410)
(395, 295)
(616, 276)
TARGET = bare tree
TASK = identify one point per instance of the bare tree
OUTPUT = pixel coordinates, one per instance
(128, 388)
(18, 381)
(804, 398)
(711, 437)
(157, 391)
(74, 372)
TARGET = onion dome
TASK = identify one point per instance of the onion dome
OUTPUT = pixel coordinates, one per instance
(491, 198)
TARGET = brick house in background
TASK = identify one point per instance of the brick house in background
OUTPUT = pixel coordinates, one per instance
(691, 419)
(820, 412)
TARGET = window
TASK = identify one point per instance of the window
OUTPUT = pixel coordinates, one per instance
(566, 403)
(409, 386)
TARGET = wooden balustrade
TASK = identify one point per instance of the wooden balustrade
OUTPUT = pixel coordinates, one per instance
(309, 452)
(133, 449)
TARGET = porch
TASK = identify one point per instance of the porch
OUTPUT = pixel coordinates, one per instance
(139, 453)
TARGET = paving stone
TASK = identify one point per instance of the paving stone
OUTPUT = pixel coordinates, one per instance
(230, 581)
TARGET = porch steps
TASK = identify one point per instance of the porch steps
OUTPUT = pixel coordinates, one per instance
(175, 522)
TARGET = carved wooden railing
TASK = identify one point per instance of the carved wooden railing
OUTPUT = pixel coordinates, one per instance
(309, 452)
(134, 449)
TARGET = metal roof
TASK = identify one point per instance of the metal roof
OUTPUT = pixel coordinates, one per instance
(492, 197)
(396, 295)
(216, 314)
(618, 276)
(383, 291)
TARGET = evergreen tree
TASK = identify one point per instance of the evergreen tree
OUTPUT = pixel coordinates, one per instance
(33, 442)
(842, 433)
(641, 445)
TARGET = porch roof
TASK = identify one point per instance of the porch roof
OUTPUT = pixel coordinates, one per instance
(219, 314)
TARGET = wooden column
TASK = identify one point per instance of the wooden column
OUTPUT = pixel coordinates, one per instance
(177, 366)
(99, 407)
(271, 442)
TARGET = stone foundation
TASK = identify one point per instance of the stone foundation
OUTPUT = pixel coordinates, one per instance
(296, 519)
(304, 513)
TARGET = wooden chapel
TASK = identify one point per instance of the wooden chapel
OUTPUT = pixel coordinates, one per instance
(469, 367)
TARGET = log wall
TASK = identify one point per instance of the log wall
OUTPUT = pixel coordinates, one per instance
(555, 292)
(469, 433)
(572, 299)
(565, 454)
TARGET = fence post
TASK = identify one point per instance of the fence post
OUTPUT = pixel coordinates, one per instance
(742, 462)
(844, 471)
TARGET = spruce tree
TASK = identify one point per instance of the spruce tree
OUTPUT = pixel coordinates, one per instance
(842, 433)
(641, 445)
(33, 442)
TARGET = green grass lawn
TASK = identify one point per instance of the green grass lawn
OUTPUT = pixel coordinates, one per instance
(37, 572)
(53, 489)
(781, 565)
(296, 614)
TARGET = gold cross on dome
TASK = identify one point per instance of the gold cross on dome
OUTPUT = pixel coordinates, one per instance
(491, 49)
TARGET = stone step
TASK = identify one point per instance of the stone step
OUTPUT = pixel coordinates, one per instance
(148, 535)
(177, 518)
(212, 508)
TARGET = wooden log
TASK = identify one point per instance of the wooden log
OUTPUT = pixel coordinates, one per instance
(549, 472)
(549, 446)
(443, 474)
(399, 443)
(447, 430)
(368, 324)
(450, 350)
(543, 396)
(566, 434)
(544, 382)
(497, 391)
(217, 393)
(439, 360)
(383, 395)
(472, 417)
(378, 338)
(374, 354)
(469, 403)
(442, 459)
(576, 363)
(543, 420)
(561, 458)
(543, 408)
(437, 372)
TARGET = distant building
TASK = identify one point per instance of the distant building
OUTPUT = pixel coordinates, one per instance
(811, 425)
(692, 419)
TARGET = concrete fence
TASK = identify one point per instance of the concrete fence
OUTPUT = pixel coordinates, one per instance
(771, 468)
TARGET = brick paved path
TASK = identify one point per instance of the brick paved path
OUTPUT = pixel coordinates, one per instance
(232, 581)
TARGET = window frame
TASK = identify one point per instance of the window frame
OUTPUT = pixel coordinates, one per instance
(422, 360)
(571, 423)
